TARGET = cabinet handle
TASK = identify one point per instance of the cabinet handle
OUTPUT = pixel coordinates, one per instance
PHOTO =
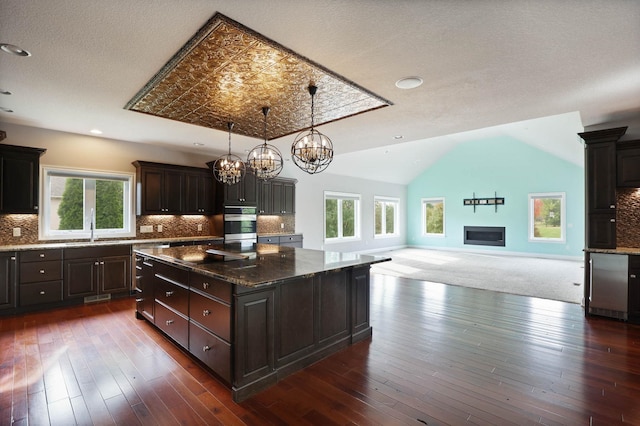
(169, 293)
(97, 263)
(612, 206)
(169, 322)
(42, 255)
(205, 285)
(632, 276)
(206, 312)
(42, 271)
(206, 348)
(13, 258)
(139, 300)
(612, 220)
(42, 292)
(102, 263)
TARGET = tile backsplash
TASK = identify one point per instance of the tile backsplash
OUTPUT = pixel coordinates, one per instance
(628, 218)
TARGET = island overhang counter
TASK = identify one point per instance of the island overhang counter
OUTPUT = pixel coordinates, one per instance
(255, 314)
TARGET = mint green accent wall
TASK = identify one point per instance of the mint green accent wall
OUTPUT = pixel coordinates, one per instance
(511, 168)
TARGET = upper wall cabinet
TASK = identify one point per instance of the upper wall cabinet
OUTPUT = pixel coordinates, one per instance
(171, 189)
(628, 164)
(19, 173)
(283, 196)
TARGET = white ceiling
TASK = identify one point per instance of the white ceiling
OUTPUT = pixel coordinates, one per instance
(485, 64)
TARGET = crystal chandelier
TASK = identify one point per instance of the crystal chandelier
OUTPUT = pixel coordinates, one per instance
(265, 160)
(311, 150)
(229, 169)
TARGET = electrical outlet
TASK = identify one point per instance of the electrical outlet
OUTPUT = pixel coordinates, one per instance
(282, 226)
(146, 228)
(199, 227)
(159, 228)
(17, 232)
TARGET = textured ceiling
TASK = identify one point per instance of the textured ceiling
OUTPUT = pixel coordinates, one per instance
(228, 72)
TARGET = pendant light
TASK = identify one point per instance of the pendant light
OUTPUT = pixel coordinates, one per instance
(265, 160)
(229, 169)
(311, 150)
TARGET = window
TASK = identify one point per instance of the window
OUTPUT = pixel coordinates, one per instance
(433, 216)
(547, 217)
(341, 217)
(385, 216)
(75, 202)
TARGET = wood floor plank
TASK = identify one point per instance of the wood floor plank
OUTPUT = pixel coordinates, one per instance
(439, 355)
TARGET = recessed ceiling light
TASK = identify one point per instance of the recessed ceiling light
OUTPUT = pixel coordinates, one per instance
(408, 83)
(198, 144)
(95, 131)
(5, 109)
(14, 50)
(5, 92)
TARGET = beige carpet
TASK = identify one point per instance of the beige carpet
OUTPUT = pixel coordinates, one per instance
(529, 276)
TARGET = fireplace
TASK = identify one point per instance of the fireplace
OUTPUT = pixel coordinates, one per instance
(485, 235)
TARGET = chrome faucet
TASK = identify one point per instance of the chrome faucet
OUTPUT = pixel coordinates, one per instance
(91, 226)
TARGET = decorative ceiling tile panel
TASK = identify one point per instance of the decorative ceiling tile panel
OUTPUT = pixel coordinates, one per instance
(228, 72)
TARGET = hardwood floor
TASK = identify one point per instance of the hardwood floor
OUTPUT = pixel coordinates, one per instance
(439, 355)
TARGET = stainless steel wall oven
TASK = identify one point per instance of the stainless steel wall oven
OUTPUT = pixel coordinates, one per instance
(240, 224)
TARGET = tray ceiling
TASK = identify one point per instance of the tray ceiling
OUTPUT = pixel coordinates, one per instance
(228, 72)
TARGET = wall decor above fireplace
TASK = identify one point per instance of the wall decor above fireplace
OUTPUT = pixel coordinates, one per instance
(493, 201)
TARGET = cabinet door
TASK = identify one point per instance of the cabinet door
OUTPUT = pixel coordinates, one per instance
(289, 197)
(601, 230)
(115, 274)
(250, 184)
(628, 168)
(151, 191)
(173, 191)
(198, 193)
(277, 190)
(7, 280)
(254, 328)
(80, 278)
(360, 303)
(601, 177)
(265, 205)
(19, 177)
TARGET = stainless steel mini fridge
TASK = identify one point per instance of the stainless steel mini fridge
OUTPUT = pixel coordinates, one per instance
(609, 285)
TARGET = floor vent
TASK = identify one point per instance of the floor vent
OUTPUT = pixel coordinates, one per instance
(97, 298)
(609, 313)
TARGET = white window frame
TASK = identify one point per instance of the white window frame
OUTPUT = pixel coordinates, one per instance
(563, 217)
(396, 208)
(424, 202)
(129, 220)
(356, 225)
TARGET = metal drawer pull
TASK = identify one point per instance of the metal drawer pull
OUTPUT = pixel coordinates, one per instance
(42, 271)
(632, 276)
(169, 293)
(169, 322)
(206, 312)
(612, 220)
(42, 292)
(41, 254)
(206, 348)
(139, 300)
(612, 206)
(205, 285)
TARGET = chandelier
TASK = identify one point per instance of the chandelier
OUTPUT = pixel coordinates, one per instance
(229, 169)
(265, 160)
(311, 150)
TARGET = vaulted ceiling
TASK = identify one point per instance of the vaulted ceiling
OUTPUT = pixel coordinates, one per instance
(484, 64)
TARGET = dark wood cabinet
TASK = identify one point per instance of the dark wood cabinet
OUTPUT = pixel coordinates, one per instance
(283, 196)
(145, 288)
(7, 280)
(600, 185)
(634, 289)
(265, 199)
(172, 189)
(19, 179)
(242, 193)
(40, 277)
(289, 240)
(628, 164)
(199, 192)
(94, 271)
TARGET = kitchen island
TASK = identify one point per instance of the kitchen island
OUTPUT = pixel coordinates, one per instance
(255, 314)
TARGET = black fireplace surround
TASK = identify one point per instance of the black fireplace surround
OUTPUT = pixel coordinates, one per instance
(484, 235)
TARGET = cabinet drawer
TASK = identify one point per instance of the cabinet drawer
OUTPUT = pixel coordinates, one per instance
(173, 296)
(291, 239)
(173, 324)
(212, 314)
(40, 271)
(211, 350)
(211, 286)
(171, 273)
(269, 240)
(39, 293)
(40, 255)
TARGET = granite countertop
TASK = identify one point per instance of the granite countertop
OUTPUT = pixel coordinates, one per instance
(74, 244)
(617, 250)
(264, 264)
